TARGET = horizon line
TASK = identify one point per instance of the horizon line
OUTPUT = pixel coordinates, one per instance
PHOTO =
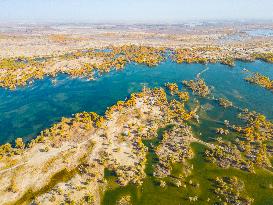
(130, 22)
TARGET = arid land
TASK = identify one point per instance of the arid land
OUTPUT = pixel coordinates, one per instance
(66, 163)
(33, 51)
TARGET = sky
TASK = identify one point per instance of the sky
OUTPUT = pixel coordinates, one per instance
(152, 11)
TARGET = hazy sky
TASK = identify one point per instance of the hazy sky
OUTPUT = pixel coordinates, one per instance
(133, 10)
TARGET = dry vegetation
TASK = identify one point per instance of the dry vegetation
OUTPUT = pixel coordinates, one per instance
(65, 163)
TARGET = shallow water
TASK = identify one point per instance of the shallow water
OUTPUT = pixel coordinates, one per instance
(28, 110)
(150, 193)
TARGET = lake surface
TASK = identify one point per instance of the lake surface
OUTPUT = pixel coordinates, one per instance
(260, 32)
(28, 110)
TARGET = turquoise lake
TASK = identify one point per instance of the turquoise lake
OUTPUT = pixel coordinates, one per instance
(28, 110)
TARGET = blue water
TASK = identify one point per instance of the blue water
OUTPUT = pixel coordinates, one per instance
(28, 110)
(260, 32)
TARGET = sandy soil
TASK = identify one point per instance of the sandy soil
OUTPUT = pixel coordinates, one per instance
(43, 40)
(34, 168)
